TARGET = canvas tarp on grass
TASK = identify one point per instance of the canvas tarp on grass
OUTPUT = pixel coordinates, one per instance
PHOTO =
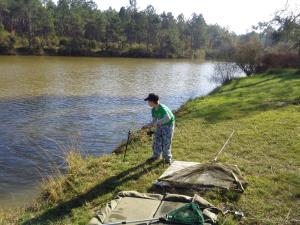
(202, 176)
(131, 205)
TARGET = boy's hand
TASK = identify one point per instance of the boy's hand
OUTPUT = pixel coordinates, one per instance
(150, 132)
(148, 126)
(155, 125)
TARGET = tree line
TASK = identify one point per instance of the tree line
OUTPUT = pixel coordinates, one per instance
(271, 44)
(78, 27)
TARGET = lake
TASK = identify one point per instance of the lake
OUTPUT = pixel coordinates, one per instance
(50, 104)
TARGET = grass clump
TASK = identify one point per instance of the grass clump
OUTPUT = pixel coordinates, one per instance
(264, 111)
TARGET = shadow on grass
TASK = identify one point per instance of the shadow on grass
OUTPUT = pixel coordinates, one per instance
(228, 111)
(268, 94)
(110, 185)
(236, 87)
(271, 75)
(283, 71)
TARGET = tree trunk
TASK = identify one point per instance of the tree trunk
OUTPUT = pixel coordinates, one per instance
(30, 30)
(299, 56)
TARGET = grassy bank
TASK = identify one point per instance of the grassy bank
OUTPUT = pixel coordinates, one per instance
(264, 110)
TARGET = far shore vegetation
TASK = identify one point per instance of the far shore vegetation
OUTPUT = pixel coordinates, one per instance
(79, 28)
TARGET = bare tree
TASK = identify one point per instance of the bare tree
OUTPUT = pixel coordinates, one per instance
(248, 54)
(224, 72)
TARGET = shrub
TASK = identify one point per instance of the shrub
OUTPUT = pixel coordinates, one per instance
(52, 41)
(92, 44)
(280, 60)
(21, 42)
(64, 41)
(1, 27)
(37, 45)
(137, 51)
(7, 42)
(199, 54)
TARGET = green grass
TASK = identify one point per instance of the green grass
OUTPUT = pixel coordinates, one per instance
(264, 110)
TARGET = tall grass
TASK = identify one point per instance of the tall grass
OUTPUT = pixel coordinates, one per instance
(53, 187)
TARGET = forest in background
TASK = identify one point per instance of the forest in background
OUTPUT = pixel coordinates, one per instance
(79, 28)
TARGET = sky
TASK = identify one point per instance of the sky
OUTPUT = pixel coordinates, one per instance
(236, 15)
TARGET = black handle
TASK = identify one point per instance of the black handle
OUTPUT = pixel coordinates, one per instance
(128, 137)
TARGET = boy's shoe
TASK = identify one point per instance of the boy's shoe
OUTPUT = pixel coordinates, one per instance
(168, 161)
(152, 159)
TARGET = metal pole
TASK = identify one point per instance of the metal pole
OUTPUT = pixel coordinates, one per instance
(148, 222)
(128, 137)
(134, 221)
(216, 158)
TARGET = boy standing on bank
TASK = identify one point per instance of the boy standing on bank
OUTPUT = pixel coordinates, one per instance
(164, 121)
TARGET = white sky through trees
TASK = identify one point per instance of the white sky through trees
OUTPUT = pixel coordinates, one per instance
(236, 15)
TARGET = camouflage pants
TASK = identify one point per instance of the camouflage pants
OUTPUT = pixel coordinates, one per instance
(162, 142)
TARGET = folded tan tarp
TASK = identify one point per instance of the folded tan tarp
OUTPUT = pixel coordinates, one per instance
(132, 205)
(202, 176)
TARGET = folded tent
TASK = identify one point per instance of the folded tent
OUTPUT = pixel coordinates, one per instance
(202, 176)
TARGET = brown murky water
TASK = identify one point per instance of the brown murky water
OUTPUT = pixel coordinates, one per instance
(49, 102)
